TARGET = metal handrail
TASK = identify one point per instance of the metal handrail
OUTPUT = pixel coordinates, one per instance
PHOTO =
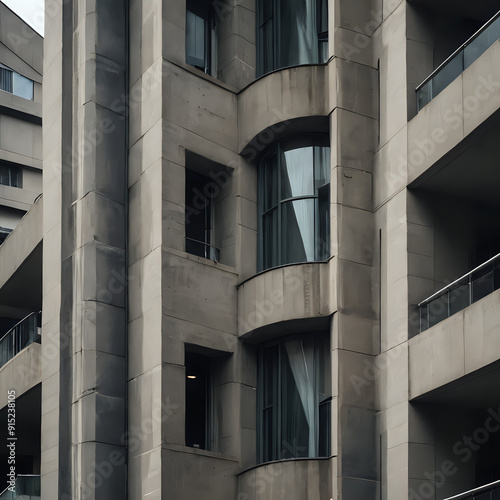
(462, 47)
(481, 489)
(207, 245)
(11, 347)
(448, 287)
(7, 490)
(18, 323)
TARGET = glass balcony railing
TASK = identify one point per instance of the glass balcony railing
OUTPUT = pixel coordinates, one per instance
(458, 62)
(487, 492)
(460, 294)
(27, 488)
(202, 249)
(20, 336)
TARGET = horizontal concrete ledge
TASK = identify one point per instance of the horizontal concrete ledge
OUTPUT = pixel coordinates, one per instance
(21, 242)
(21, 373)
(461, 344)
(456, 112)
(306, 479)
(301, 291)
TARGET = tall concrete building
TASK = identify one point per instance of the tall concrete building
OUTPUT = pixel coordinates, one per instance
(271, 247)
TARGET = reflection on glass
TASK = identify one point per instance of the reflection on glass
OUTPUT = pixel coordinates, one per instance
(447, 74)
(467, 54)
(195, 40)
(23, 87)
(481, 43)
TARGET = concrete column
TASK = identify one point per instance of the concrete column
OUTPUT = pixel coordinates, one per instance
(85, 259)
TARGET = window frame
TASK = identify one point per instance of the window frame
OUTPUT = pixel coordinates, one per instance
(205, 11)
(209, 250)
(209, 418)
(13, 172)
(279, 397)
(276, 150)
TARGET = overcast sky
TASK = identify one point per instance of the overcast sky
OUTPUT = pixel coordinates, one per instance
(30, 10)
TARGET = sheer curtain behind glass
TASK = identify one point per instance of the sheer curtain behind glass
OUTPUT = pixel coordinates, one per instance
(303, 436)
(298, 41)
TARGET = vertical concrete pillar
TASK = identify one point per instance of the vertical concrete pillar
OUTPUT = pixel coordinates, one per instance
(354, 126)
(85, 254)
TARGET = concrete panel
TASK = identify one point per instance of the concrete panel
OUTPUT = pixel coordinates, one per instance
(357, 88)
(436, 356)
(282, 294)
(210, 111)
(481, 89)
(356, 137)
(145, 214)
(146, 412)
(146, 481)
(293, 480)
(199, 293)
(195, 475)
(289, 93)
(481, 332)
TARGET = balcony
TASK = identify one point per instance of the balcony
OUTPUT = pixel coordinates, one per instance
(27, 488)
(20, 336)
(487, 492)
(461, 293)
(458, 62)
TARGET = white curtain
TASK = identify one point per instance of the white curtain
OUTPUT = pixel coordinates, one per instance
(301, 357)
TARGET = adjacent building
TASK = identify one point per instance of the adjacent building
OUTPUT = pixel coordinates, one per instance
(271, 245)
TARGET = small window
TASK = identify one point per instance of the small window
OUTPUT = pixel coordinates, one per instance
(11, 175)
(199, 402)
(14, 83)
(295, 398)
(209, 216)
(201, 36)
(199, 216)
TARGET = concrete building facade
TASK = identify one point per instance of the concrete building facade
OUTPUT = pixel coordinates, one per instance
(270, 252)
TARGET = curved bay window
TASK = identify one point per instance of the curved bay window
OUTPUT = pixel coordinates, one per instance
(294, 203)
(294, 398)
(291, 33)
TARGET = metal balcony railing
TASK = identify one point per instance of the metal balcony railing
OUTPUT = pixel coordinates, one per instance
(27, 488)
(202, 249)
(461, 293)
(20, 336)
(489, 491)
(458, 62)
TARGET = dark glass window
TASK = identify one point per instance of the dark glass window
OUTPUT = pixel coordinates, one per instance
(199, 215)
(294, 203)
(201, 36)
(198, 401)
(11, 175)
(291, 32)
(295, 398)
